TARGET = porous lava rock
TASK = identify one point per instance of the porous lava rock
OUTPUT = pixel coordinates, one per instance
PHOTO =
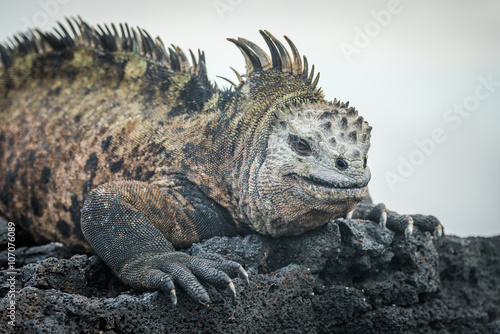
(348, 276)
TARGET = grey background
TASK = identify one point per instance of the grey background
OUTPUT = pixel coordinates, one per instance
(426, 59)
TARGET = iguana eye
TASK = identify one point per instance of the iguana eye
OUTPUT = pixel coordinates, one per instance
(299, 145)
(341, 164)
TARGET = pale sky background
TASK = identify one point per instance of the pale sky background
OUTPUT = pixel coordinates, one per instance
(427, 57)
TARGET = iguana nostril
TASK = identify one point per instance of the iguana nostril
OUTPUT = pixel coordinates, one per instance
(341, 164)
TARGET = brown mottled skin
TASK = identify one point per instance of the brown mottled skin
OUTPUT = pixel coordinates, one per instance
(109, 143)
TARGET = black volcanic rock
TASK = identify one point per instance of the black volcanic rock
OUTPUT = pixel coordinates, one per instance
(346, 277)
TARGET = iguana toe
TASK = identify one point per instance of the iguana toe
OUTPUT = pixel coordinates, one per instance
(155, 279)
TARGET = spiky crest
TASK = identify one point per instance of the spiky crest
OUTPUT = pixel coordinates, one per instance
(257, 60)
(105, 38)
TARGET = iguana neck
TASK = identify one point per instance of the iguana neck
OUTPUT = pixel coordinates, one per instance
(242, 132)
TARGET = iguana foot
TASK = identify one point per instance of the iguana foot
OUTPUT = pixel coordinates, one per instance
(162, 271)
(397, 222)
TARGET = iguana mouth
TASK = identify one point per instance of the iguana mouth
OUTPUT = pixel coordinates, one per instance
(317, 185)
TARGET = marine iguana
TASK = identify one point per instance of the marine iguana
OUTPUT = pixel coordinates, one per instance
(111, 143)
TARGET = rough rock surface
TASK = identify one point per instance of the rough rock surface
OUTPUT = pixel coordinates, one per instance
(346, 277)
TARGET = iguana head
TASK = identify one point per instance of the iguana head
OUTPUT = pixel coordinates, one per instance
(314, 167)
(308, 157)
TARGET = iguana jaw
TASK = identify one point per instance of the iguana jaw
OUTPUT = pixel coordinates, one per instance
(317, 183)
(289, 204)
(325, 190)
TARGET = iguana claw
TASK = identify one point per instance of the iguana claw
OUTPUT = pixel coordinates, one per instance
(232, 291)
(243, 275)
(409, 227)
(439, 231)
(383, 220)
(173, 297)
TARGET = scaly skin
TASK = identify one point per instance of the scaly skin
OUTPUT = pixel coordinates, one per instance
(112, 145)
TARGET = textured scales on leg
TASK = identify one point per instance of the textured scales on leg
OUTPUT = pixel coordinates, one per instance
(145, 155)
(129, 224)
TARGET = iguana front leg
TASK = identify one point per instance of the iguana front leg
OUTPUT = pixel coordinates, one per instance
(133, 226)
(395, 221)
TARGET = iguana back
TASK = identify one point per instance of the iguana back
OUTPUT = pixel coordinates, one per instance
(82, 113)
